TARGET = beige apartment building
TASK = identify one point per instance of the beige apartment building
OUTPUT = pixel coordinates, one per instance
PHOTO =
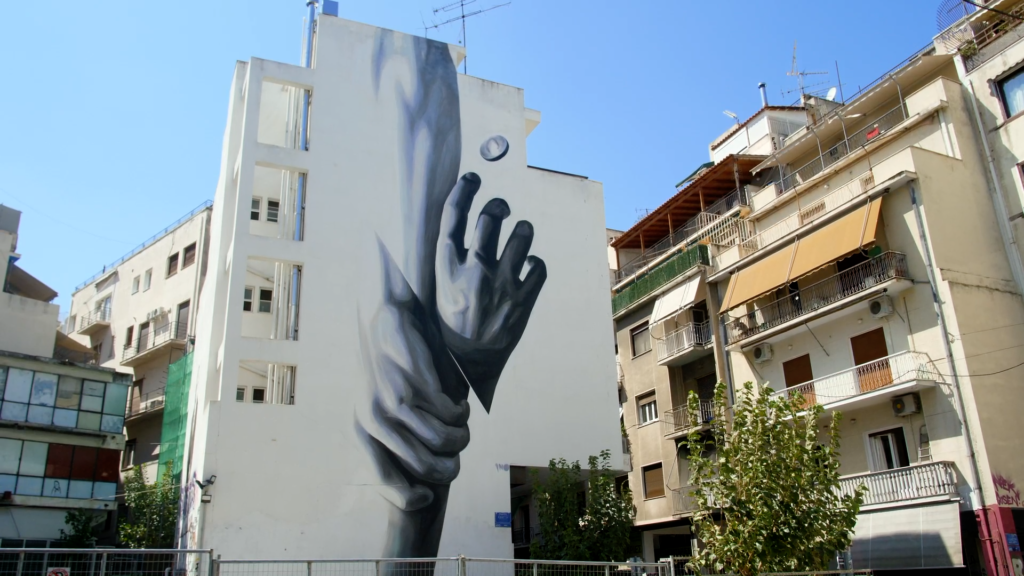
(864, 260)
(136, 313)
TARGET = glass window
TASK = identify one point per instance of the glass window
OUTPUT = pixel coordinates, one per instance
(647, 406)
(8, 483)
(88, 421)
(147, 279)
(247, 299)
(83, 466)
(58, 460)
(19, 385)
(14, 411)
(29, 486)
(135, 284)
(641, 339)
(114, 424)
(33, 459)
(266, 298)
(3, 379)
(92, 396)
(44, 389)
(654, 481)
(259, 395)
(1012, 91)
(128, 458)
(240, 394)
(254, 213)
(10, 455)
(55, 488)
(172, 265)
(273, 207)
(40, 415)
(116, 399)
(69, 392)
(889, 450)
(80, 489)
(188, 255)
(65, 418)
(104, 490)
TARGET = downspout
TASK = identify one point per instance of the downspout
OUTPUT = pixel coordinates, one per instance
(1009, 243)
(977, 494)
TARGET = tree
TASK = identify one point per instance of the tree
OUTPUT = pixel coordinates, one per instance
(594, 529)
(768, 491)
(152, 511)
(82, 535)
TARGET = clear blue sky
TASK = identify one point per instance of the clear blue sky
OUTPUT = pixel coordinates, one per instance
(112, 113)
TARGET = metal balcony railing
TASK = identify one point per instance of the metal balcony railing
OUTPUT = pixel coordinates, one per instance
(101, 315)
(148, 402)
(683, 501)
(873, 130)
(678, 419)
(706, 222)
(898, 368)
(171, 332)
(901, 484)
(659, 275)
(687, 337)
(862, 277)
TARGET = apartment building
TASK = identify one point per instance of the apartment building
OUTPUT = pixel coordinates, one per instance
(854, 261)
(61, 416)
(136, 314)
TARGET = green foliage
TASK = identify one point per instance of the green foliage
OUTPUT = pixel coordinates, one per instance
(152, 511)
(82, 534)
(571, 529)
(768, 491)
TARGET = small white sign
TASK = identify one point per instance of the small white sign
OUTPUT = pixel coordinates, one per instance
(58, 572)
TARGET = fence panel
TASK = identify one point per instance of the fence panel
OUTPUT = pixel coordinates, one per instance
(100, 562)
(345, 567)
(505, 567)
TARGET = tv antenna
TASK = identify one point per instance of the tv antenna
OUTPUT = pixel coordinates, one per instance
(460, 5)
(800, 76)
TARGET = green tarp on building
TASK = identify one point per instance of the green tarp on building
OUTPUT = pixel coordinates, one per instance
(172, 437)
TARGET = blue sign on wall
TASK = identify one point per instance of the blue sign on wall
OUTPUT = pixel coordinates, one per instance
(502, 519)
(1013, 543)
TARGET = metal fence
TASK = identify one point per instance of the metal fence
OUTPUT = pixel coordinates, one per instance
(169, 332)
(504, 567)
(920, 481)
(457, 566)
(684, 338)
(100, 562)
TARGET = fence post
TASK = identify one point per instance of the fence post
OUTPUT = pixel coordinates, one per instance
(21, 563)
(309, 569)
(607, 570)
(462, 565)
(377, 567)
(103, 564)
(214, 568)
(534, 569)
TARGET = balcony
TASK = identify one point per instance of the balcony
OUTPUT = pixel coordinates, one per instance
(627, 456)
(148, 403)
(684, 344)
(683, 501)
(867, 384)
(931, 480)
(659, 276)
(677, 423)
(98, 320)
(171, 336)
(833, 293)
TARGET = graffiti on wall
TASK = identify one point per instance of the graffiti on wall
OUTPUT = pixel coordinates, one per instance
(1007, 493)
(451, 312)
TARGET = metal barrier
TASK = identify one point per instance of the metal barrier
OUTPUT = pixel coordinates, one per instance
(101, 562)
(458, 566)
(506, 567)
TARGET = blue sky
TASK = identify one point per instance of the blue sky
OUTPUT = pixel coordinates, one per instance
(113, 112)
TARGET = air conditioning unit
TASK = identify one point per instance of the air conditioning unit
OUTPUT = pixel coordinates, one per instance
(906, 405)
(880, 307)
(762, 353)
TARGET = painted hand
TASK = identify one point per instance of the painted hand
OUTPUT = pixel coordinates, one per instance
(482, 304)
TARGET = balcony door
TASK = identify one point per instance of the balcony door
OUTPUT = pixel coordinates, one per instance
(798, 371)
(867, 348)
(706, 393)
(143, 337)
(181, 329)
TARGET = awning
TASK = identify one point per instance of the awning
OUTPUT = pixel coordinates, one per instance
(848, 234)
(678, 299)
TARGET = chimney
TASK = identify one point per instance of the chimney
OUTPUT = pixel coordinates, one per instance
(764, 94)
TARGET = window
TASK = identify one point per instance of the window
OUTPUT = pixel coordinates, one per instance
(247, 299)
(240, 394)
(172, 265)
(63, 401)
(71, 322)
(259, 395)
(129, 335)
(889, 449)
(266, 297)
(147, 280)
(654, 481)
(647, 408)
(641, 339)
(112, 347)
(128, 458)
(273, 207)
(254, 213)
(1011, 90)
(188, 256)
(135, 285)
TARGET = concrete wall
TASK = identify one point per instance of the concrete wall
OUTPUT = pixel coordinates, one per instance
(30, 326)
(552, 393)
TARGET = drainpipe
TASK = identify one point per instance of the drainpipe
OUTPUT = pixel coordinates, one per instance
(1009, 243)
(977, 494)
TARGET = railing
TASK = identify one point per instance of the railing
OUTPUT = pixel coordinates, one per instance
(683, 501)
(659, 275)
(101, 315)
(873, 130)
(688, 336)
(101, 562)
(862, 277)
(148, 242)
(160, 335)
(809, 213)
(678, 420)
(781, 129)
(899, 368)
(148, 402)
(900, 484)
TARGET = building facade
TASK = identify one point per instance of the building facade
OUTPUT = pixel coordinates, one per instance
(137, 316)
(61, 416)
(855, 261)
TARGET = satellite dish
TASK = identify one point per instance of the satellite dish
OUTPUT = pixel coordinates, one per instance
(831, 94)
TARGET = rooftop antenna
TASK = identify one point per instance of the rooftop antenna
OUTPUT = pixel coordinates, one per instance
(800, 75)
(460, 5)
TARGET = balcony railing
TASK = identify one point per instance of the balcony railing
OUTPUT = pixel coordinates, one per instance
(677, 420)
(101, 315)
(687, 337)
(901, 484)
(873, 130)
(171, 332)
(683, 501)
(860, 278)
(899, 368)
(148, 402)
(660, 275)
(704, 221)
